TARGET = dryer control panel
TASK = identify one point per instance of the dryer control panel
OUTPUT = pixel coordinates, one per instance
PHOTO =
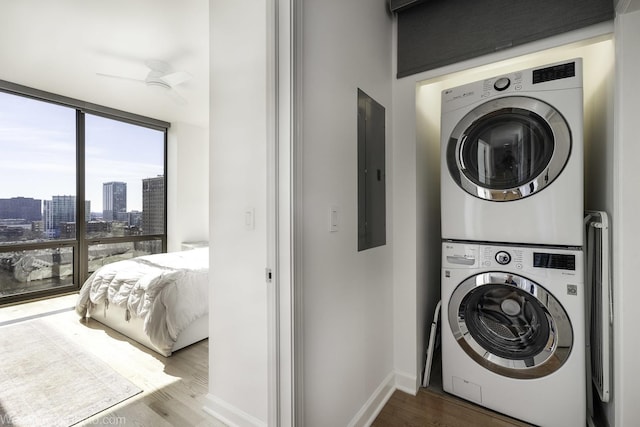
(558, 76)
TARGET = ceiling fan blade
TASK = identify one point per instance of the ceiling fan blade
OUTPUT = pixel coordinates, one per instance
(158, 65)
(176, 78)
(112, 76)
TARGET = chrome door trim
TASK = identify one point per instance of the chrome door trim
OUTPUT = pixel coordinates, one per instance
(548, 360)
(562, 147)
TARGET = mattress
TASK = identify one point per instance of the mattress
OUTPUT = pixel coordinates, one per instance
(114, 318)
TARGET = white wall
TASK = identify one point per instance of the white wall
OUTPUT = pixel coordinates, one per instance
(347, 310)
(238, 354)
(187, 185)
(625, 223)
(406, 288)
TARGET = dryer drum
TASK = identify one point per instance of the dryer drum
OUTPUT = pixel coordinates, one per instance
(508, 148)
(510, 325)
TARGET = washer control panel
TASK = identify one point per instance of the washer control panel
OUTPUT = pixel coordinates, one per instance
(545, 263)
(502, 256)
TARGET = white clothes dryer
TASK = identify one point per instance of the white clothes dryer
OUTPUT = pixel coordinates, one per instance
(513, 330)
(512, 157)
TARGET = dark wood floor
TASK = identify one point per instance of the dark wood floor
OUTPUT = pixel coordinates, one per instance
(435, 408)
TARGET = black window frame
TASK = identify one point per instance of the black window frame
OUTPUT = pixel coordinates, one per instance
(81, 243)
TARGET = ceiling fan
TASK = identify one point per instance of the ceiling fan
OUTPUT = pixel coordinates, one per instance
(160, 76)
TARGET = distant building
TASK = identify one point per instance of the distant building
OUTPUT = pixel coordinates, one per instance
(37, 226)
(56, 211)
(122, 217)
(98, 227)
(87, 210)
(68, 230)
(153, 205)
(135, 219)
(25, 208)
(114, 200)
(10, 234)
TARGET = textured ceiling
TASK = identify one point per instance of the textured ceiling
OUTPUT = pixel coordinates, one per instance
(59, 46)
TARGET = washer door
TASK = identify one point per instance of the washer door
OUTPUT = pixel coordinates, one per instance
(508, 148)
(510, 325)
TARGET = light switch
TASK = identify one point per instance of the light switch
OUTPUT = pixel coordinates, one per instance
(333, 219)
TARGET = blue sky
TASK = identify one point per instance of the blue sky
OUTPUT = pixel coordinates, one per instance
(37, 146)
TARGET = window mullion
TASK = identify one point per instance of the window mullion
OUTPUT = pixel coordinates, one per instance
(80, 260)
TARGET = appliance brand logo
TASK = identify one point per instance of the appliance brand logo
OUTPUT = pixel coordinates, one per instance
(463, 95)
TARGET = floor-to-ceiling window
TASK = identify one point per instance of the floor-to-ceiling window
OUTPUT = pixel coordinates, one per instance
(79, 188)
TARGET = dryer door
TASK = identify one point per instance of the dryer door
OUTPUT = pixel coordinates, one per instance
(510, 325)
(508, 148)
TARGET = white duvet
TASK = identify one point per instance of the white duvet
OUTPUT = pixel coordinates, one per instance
(168, 291)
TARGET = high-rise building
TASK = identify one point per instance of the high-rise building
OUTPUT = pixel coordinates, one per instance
(114, 200)
(87, 210)
(153, 205)
(58, 210)
(25, 208)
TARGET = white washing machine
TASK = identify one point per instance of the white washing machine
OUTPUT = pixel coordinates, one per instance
(513, 330)
(512, 157)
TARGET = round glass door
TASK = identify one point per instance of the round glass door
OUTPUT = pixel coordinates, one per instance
(510, 325)
(508, 148)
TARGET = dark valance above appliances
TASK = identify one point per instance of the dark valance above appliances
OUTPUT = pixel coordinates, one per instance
(435, 33)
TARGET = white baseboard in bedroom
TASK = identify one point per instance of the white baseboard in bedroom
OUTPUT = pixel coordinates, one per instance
(229, 414)
(370, 410)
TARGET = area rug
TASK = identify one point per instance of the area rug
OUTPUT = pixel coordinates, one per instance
(47, 379)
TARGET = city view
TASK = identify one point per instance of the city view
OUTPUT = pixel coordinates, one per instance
(123, 177)
(29, 220)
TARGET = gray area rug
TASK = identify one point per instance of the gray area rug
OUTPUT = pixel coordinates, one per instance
(48, 380)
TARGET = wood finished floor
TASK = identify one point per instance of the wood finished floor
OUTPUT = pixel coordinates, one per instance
(434, 408)
(174, 388)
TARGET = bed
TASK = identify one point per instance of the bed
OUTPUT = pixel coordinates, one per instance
(160, 300)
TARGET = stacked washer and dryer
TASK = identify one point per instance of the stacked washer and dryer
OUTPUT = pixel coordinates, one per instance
(513, 289)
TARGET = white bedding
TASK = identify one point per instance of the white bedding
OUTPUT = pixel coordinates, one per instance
(168, 291)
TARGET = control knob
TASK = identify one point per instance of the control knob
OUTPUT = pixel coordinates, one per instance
(503, 258)
(501, 84)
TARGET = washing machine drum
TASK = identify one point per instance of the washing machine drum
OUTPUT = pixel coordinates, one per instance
(508, 148)
(510, 325)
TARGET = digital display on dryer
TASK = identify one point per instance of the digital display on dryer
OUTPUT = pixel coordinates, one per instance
(557, 261)
(555, 72)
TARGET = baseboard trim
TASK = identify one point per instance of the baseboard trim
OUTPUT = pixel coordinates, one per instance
(375, 403)
(229, 414)
(235, 417)
(407, 383)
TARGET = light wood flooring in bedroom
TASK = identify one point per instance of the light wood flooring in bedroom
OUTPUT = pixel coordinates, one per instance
(174, 388)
